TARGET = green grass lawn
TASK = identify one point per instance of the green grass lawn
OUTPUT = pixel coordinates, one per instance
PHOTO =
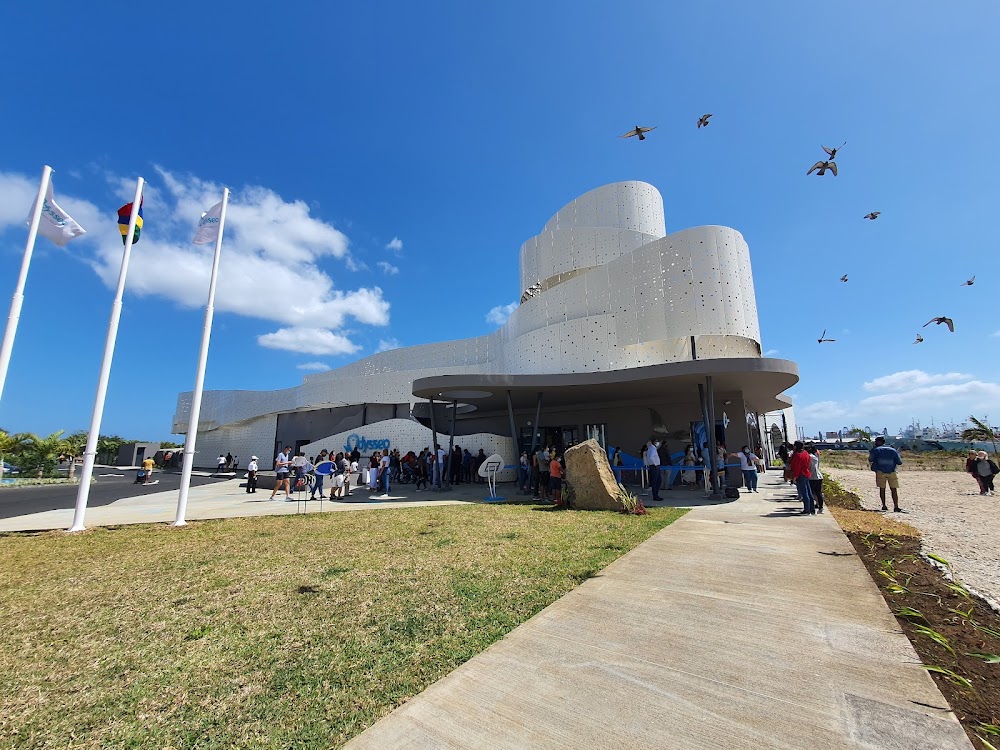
(281, 632)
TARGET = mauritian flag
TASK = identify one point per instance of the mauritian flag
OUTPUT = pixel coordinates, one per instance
(124, 213)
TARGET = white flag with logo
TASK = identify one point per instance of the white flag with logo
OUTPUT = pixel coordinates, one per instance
(208, 227)
(54, 223)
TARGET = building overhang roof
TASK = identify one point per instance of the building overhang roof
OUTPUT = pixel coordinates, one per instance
(760, 380)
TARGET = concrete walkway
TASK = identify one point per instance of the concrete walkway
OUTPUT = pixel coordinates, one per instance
(739, 626)
(228, 499)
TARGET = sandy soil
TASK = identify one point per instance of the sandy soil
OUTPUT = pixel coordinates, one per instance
(955, 521)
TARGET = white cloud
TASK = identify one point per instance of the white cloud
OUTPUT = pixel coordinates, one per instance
(308, 341)
(385, 345)
(900, 396)
(770, 352)
(820, 411)
(313, 366)
(387, 268)
(971, 396)
(997, 334)
(272, 258)
(499, 314)
(907, 380)
(395, 244)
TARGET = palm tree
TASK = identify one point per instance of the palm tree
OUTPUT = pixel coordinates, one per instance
(9, 444)
(43, 452)
(862, 435)
(74, 446)
(980, 432)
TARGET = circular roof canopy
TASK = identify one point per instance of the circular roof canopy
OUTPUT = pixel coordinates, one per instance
(453, 395)
(761, 380)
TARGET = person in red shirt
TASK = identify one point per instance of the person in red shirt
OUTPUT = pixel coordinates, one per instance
(801, 476)
(555, 480)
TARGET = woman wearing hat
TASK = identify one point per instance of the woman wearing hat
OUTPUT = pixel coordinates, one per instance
(970, 468)
(986, 470)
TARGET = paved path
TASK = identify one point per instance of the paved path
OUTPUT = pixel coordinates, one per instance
(111, 484)
(739, 626)
(226, 499)
(223, 499)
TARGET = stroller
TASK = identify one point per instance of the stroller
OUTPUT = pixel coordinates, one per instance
(140, 477)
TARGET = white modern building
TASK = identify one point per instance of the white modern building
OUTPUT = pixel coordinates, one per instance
(623, 332)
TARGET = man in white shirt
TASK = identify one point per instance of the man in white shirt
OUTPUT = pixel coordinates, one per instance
(252, 475)
(653, 462)
(220, 464)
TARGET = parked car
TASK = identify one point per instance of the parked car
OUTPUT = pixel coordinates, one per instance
(10, 469)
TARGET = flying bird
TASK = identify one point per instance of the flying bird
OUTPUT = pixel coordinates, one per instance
(947, 321)
(970, 282)
(822, 338)
(832, 152)
(873, 215)
(822, 166)
(703, 121)
(920, 339)
(639, 132)
(844, 277)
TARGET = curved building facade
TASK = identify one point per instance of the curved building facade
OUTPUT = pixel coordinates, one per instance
(604, 289)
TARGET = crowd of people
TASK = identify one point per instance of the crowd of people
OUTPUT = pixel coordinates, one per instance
(426, 470)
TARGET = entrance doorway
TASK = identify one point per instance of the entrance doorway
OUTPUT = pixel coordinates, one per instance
(597, 432)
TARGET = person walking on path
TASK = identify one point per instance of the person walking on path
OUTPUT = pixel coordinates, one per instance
(800, 475)
(147, 466)
(220, 464)
(970, 467)
(282, 464)
(252, 475)
(815, 477)
(653, 464)
(884, 459)
(986, 469)
(748, 465)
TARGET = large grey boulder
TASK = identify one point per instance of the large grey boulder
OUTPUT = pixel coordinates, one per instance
(594, 485)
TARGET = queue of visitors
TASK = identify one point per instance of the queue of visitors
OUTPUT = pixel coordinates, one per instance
(426, 469)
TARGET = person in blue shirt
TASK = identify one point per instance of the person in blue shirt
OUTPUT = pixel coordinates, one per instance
(883, 460)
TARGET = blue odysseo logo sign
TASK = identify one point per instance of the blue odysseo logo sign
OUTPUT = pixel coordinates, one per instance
(364, 445)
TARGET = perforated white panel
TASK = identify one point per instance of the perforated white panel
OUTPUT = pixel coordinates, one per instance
(615, 293)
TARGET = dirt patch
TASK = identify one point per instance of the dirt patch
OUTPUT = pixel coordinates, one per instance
(847, 509)
(956, 635)
(912, 460)
(954, 520)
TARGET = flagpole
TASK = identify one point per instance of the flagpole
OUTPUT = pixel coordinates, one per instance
(199, 381)
(18, 298)
(90, 453)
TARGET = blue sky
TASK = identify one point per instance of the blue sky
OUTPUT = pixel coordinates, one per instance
(388, 160)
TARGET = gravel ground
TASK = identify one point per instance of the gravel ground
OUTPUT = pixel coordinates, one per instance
(955, 521)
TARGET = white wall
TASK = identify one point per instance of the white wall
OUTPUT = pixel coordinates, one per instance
(407, 435)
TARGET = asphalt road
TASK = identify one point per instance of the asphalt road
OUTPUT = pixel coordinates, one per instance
(20, 501)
